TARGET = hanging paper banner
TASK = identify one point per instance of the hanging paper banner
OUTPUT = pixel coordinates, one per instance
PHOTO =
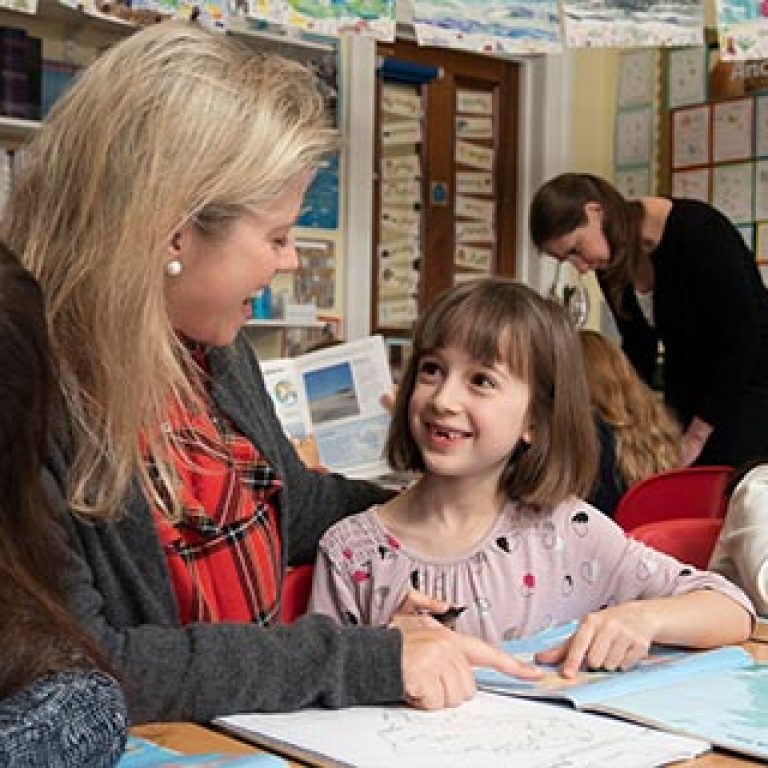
(625, 24)
(742, 30)
(488, 26)
(372, 18)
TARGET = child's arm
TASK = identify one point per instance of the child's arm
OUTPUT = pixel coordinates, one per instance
(620, 636)
(332, 594)
(745, 535)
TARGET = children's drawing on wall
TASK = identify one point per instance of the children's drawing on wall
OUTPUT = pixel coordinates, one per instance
(489, 26)
(373, 18)
(742, 29)
(632, 23)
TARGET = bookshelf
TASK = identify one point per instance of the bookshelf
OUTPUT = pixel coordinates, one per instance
(17, 129)
(73, 37)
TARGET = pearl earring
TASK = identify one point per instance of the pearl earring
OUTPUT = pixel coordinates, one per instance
(174, 268)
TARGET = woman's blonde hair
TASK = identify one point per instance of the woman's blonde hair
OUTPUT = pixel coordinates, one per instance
(174, 125)
(648, 439)
(500, 319)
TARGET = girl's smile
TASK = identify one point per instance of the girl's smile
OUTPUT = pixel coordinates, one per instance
(467, 416)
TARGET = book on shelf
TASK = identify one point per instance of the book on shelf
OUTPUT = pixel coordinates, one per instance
(719, 695)
(334, 394)
(20, 64)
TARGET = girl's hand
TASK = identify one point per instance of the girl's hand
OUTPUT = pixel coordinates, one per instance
(437, 663)
(611, 639)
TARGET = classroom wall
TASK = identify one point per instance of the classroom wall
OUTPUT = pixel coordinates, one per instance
(593, 109)
(567, 105)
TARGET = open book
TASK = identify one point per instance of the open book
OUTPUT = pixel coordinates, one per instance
(719, 695)
(487, 732)
(333, 394)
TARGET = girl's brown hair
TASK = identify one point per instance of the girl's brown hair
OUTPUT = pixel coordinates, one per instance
(36, 634)
(648, 439)
(558, 207)
(498, 319)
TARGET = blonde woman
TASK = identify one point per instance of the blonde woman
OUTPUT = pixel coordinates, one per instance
(638, 435)
(158, 198)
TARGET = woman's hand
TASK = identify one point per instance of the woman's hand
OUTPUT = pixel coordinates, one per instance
(694, 439)
(437, 663)
(611, 639)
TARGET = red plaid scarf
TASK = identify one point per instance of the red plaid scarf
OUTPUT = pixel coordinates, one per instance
(224, 553)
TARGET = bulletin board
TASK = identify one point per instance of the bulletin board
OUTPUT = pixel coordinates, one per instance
(716, 147)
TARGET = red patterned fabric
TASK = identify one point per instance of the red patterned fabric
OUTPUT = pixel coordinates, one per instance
(224, 554)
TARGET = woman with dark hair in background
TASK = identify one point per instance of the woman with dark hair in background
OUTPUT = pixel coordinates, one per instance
(675, 271)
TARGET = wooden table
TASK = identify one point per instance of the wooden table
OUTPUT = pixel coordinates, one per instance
(189, 738)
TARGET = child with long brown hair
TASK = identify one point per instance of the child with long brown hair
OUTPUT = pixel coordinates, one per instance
(644, 437)
(493, 411)
(56, 707)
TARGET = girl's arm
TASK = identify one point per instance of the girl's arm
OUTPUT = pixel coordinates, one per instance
(620, 636)
(638, 596)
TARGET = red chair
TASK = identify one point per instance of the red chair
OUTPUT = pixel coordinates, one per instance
(297, 587)
(685, 492)
(689, 539)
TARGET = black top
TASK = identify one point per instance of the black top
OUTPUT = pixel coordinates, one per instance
(609, 486)
(711, 313)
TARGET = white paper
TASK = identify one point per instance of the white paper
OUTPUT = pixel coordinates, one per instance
(487, 732)
(690, 136)
(732, 191)
(474, 127)
(400, 100)
(400, 167)
(334, 394)
(474, 155)
(474, 208)
(732, 130)
(401, 192)
(693, 184)
(404, 252)
(474, 232)
(473, 257)
(687, 81)
(402, 132)
(474, 102)
(474, 183)
(400, 313)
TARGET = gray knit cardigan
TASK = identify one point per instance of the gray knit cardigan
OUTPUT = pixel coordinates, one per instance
(118, 586)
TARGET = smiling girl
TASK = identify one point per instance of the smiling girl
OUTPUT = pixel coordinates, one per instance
(494, 411)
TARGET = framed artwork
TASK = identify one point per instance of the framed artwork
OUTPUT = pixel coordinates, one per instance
(633, 182)
(761, 243)
(690, 136)
(634, 136)
(732, 123)
(686, 76)
(761, 189)
(733, 191)
(761, 125)
(637, 70)
(747, 231)
(694, 184)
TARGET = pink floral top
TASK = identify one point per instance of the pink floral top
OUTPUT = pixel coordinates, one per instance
(531, 571)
